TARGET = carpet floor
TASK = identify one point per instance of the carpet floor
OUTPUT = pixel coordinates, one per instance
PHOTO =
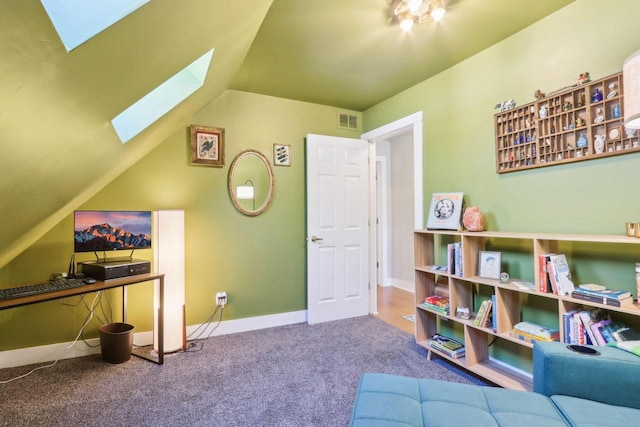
(296, 375)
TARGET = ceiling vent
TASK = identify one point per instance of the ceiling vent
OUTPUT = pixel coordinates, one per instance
(348, 121)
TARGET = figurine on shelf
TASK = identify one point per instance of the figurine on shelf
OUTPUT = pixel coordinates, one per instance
(543, 111)
(630, 132)
(582, 140)
(612, 90)
(584, 78)
(615, 111)
(566, 106)
(599, 144)
(599, 117)
(580, 102)
(538, 95)
(597, 96)
(579, 122)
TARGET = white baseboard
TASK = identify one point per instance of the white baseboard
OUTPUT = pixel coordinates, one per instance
(402, 284)
(59, 351)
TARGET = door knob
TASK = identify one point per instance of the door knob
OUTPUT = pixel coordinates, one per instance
(316, 239)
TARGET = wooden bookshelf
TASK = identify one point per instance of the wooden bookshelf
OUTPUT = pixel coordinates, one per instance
(512, 303)
(566, 126)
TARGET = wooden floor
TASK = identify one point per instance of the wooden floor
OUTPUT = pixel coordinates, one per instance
(393, 303)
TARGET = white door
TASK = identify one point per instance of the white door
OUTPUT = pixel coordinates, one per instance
(337, 228)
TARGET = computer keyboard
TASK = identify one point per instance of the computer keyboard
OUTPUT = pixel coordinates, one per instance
(40, 288)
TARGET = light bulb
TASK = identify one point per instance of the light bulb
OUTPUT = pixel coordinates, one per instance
(406, 24)
(414, 6)
(437, 13)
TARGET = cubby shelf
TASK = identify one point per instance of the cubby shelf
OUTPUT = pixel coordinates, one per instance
(510, 300)
(570, 125)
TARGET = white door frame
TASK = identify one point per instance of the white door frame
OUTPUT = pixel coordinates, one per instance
(413, 121)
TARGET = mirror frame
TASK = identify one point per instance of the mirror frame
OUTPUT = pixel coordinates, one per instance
(231, 183)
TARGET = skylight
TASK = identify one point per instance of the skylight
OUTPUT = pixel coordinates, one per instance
(162, 99)
(76, 21)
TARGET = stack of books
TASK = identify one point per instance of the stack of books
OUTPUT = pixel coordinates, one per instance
(530, 332)
(599, 294)
(437, 303)
(447, 346)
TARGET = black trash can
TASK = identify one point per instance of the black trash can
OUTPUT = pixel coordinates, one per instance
(116, 342)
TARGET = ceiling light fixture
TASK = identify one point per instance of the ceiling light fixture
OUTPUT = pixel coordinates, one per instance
(409, 12)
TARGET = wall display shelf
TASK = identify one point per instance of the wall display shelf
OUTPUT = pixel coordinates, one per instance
(512, 303)
(579, 123)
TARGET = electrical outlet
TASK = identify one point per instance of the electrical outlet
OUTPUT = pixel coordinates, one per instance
(221, 299)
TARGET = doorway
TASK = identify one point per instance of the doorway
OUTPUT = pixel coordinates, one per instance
(397, 189)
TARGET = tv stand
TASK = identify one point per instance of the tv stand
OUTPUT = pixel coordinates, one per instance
(101, 286)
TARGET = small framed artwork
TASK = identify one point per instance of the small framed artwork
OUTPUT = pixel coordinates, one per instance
(489, 265)
(207, 146)
(281, 155)
(445, 211)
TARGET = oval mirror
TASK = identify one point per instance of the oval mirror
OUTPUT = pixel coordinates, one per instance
(251, 182)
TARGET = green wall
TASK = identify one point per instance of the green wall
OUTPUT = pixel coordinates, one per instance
(589, 197)
(259, 261)
(596, 196)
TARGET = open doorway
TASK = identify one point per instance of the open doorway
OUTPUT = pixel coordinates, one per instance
(396, 185)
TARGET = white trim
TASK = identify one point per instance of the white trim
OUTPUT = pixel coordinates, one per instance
(59, 351)
(413, 121)
(405, 285)
(384, 132)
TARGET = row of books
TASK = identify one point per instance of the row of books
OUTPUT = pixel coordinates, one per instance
(454, 258)
(593, 327)
(447, 346)
(555, 275)
(437, 303)
(529, 331)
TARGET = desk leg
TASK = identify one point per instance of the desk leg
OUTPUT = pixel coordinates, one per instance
(161, 322)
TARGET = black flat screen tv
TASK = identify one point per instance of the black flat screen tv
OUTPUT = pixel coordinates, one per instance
(101, 231)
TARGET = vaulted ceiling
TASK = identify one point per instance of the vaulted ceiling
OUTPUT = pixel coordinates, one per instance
(57, 106)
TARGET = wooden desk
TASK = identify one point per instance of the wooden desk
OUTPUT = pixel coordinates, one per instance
(101, 286)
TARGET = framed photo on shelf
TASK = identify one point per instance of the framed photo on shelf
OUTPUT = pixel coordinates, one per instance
(281, 155)
(207, 146)
(445, 211)
(489, 265)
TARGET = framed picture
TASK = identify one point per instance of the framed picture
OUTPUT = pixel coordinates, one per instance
(445, 211)
(489, 265)
(281, 155)
(207, 146)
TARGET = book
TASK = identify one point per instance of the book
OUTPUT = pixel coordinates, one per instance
(567, 320)
(529, 328)
(560, 275)
(457, 251)
(587, 320)
(494, 314)
(449, 346)
(627, 334)
(545, 285)
(445, 211)
(447, 352)
(607, 293)
(450, 258)
(520, 284)
(527, 337)
(437, 303)
(595, 328)
(613, 302)
(483, 311)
